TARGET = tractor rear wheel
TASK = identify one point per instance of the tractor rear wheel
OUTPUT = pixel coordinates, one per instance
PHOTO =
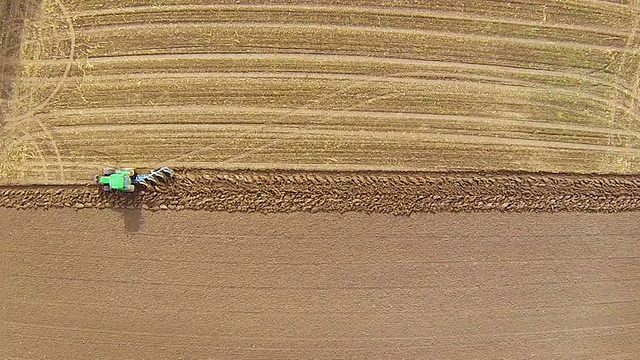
(106, 188)
(108, 171)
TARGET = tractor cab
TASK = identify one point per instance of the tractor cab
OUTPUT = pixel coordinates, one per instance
(117, 180)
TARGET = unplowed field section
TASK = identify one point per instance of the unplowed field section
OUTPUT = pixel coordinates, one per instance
(125, 284)
(420, 85)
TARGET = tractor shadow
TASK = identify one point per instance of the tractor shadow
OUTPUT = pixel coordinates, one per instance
(133, 219)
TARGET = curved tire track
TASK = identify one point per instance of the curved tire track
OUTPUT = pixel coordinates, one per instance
(31, 115)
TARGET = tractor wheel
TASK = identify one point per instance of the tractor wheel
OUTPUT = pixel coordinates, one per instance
(131, 188)
(106, 188)
(96, 178)
(108, 171)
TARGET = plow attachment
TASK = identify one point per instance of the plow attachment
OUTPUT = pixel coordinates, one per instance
(154, 177)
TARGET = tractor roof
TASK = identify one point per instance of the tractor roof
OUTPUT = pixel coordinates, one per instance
(116, 181)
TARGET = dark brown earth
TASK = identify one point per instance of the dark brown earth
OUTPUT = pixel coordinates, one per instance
(115, 284)
(371, 192)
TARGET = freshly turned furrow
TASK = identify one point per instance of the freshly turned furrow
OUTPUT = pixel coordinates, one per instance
(399, 193)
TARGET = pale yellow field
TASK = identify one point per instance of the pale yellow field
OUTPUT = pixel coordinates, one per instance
(294, 84)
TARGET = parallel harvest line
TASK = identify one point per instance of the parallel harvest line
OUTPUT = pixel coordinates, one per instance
(250, 129)
(402, 77)
(127, 130)
(360, 29)
(216, 109)
(393, 77)
(612, 3)
(401, 12)
(361, 78)
(619, 5)
(346, 58)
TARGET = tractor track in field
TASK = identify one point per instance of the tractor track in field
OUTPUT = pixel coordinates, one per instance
(13, 14)
(400, 193)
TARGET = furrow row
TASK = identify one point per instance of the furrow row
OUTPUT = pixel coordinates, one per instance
(392, 192)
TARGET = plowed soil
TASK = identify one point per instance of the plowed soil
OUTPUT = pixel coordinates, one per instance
(304, 84)
(380, 192)
(106, 284)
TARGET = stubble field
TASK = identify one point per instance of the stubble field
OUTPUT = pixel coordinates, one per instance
(391, 85)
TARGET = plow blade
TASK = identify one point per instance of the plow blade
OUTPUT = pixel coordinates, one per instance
(154, 177)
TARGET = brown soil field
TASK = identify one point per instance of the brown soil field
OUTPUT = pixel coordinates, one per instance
(306, 84)
(107, 284)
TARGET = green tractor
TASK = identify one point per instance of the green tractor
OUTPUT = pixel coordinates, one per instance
(116, 180)
(126, 179)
